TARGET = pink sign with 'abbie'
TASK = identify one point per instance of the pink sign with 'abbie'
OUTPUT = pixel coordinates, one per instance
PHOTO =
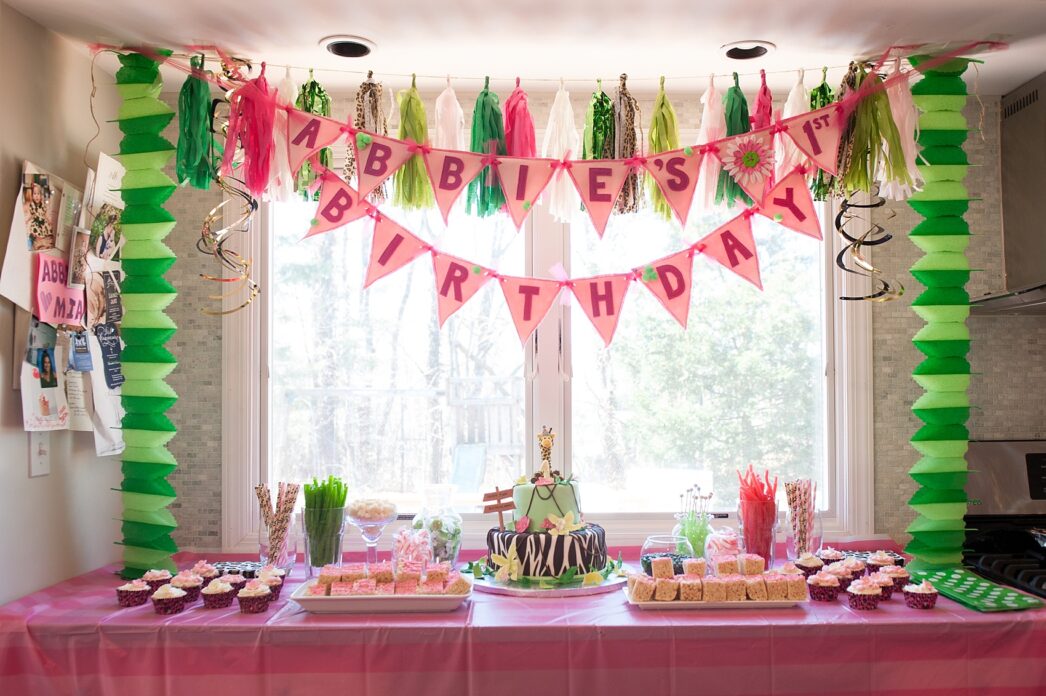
(523, 180)
(528, 300)
(676, 175)
(599, 184)
(307, 134)
(450, 171)
(601, 298)
(669, 279)
(339, 205)
(457, 280)
(391, 248)
(733, 246)
(56, 303)
(377, 158)
(789, 203)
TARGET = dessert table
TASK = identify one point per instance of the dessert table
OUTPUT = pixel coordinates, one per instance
(72, 638)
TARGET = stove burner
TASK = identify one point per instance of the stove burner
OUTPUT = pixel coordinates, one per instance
(1003, 556)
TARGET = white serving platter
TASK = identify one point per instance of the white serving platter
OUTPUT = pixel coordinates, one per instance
(377, 604)
(747, 604)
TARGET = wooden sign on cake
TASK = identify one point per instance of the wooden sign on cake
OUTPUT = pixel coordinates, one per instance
(497, 506)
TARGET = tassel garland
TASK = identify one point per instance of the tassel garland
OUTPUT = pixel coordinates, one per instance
(874, 140)
(252, 111)
(599, 126)
(488, 136)
(736, 108)
(561, 140)
(195, 156)
(370, 116)
(519, 126)
(713, 127)
(450, 121)
(789, 155)
(664, 136)
(413, 190)
(313, 99)
(821, 96)
(763, 113)
(281, 187)
(906, 118)
(626, 144)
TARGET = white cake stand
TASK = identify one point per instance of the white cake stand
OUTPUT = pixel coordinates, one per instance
(487, 584)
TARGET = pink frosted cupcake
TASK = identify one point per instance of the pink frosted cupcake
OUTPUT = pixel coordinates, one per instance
(237, 581)
(133, 594)
(864, 594)
(218, 595)
(824, 587)
(898, 574)
(169, 600)
(828, 555)
(206, 571)
(809, 564)
(157, 578)
(921, 596)
(856, 566)
(254, 597)
(885, 582)
(273, 581)
(878, 560)
(190, 582)
(839, 570)
(270, 569)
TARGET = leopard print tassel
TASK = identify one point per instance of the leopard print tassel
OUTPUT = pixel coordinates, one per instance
(626, 145)
(370, 116)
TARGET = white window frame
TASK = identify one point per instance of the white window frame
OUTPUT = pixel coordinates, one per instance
(848, 399)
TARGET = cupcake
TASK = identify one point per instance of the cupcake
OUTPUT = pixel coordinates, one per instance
(238, 582)
(190, 582)
(270, 569)
(809, 564)
(921, 596)
(273, 581)
(824, 587)
(828, 555)
(169, 600)
(254, 597)
(885, 582)
(899, 575)
(856, 566)
(217, 594)
(878, 560)
(790, 569)
(133, 594)
(864, 594)
(840, 571)
(206, 571)
(157, 578)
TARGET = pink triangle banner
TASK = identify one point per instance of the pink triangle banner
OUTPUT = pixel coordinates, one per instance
(676, 175)
(457, 280)
(669, 279)
(599, 183)
(733, 246)
(450, 171)
(391, 248)
(523, 179)
(601, 298)
(339, 205)
(528, 300)
(377, 158)
(749, 159)
(789, 203)
(818, 134)
(307, 134)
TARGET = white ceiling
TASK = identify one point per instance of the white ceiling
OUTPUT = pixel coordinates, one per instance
(563, 38)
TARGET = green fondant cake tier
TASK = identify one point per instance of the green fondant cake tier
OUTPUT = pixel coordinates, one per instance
(539, 501)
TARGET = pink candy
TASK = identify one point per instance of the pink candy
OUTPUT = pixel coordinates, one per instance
(412, 545)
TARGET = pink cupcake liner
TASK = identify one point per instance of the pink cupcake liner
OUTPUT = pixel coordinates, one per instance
(823, 593)
(808, 571)
(254, 605)
(132, 598)
(873, 567)
(154, 585)
(863, 602)
(191, 593)
(920, 600)
(844, 582)
(887, 591)
(221, 600)
(899, 583)
(169, 605)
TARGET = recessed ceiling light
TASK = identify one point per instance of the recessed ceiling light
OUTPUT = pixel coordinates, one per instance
(747, 50)
(346, 46)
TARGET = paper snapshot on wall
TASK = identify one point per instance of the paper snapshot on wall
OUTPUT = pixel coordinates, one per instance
(109, 342)
(104, 304)
(41, 336)
(77, 258)
(79, 353)
(77, 400)
(108, 411)
(105, 209)
(43, 394)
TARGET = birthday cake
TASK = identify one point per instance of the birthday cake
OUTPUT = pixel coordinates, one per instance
(548, 535)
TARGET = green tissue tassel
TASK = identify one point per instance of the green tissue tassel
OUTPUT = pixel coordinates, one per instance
(146, 462)
(820, 97)
(664, 136)
(413, 190)
(599, 126)
(313, 99)
(938, 531)
(485, 196)
(875, 140)
(195, 163)
(736, 108)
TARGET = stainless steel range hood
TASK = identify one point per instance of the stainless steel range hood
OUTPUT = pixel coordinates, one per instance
(1030, 300)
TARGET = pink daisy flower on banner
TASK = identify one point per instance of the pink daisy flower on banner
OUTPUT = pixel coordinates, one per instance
(748, 160)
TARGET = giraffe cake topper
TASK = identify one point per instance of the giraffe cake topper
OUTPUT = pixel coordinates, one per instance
(547, 475)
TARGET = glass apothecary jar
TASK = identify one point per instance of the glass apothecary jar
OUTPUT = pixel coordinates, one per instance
(437, 515)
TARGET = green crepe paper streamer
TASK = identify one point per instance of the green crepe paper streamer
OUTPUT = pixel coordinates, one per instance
(942, 261)
(138, 560)
(942, 382)
(942, 366)
(142, 501)
(151, 319)
(935, 496)
(950, 331)
(146, 371)
(941, 448)
(147, 353)
(196, 162)
(939, 102)
(939, 242)
(156, 486)
(945, 155)
(736, 108)
(942, 120)
(150, 455)
(953, 67)
(942, 416)
(146, 231)
(942, 138)
(939, 511)
(923, 524)
(146, 124)
(147, 337)
(146, 285)
(151, 388)
(149, 422)
(146, 438)
(145, 214)
(939, 465)
(942, 400)
(156, 517)
(941, 432)
(144, 267)
(147, 301)
(939, 313)
(939, 279)
(943, 349)
(942, 191)
(930, 559)
(663, 136)
(938, 84)
(598, 141)
(146, 470)
(943, 226)
(485, 196)
(944, 480)
(876, 142)
(943, 172)
(313, 99)
(161, 544)
(142, 108)
(412, 189)
(146, 404)
(140, 534)
(820, 97)
(146, 159)
(135, 90)
(145, 249)
(941, 540)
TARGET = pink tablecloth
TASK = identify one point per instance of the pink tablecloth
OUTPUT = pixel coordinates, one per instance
(73, 639)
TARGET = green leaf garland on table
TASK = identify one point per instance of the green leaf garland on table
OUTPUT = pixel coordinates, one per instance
(938, 532)
(146, 523)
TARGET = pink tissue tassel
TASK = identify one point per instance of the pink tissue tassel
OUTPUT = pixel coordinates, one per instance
(519, 126)
(789, 156)
(252, 112)
(763, 113)
(713, 127)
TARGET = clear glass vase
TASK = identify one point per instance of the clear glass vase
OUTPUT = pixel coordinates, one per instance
(675, 547)
(324, 534)
(695, 527)
(284, 557)
(757, 524)
(803, 534)
(442, 522)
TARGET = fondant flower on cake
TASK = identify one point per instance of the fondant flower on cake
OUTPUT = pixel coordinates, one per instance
(547, 524)
(509, 567)
(591, 579)
(748, 160)
(563, 525)
(522, 524)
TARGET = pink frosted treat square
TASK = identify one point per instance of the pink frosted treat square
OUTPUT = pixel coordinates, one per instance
(776, 587)
(751, 563)
(317, 590)
(364, 587)
(406, 587)
(736, 590)
(690, 588)
(381, 572)
(695, 566)
(439, 571)
(643, 590)
(755, 588)
(330, 574)
(725, 564)
(666, 589)
(662, 567)
(714, 588)
(385, 588)
(430, 587)
(409, 570)
(341, 589)
(795, 587)
(457, 584)
(353, 572)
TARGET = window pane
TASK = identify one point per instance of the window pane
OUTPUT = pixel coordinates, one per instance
(744, 384)
(364, 383)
